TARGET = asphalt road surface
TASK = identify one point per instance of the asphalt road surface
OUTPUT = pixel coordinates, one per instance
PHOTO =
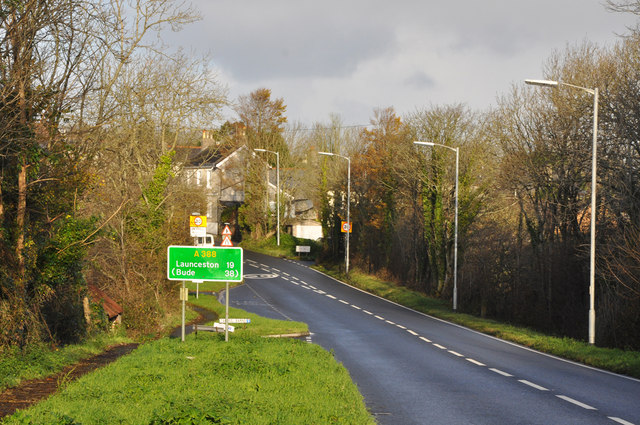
(415, 369)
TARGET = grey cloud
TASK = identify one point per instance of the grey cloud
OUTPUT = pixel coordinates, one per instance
(290, 39)
(419, 80)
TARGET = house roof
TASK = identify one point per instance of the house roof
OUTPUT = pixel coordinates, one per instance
(111, 308)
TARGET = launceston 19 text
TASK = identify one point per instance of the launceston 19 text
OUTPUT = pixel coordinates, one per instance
(198, 265)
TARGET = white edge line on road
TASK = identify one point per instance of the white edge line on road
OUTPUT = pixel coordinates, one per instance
(576, 402)
(480, 333)
(532, 385)
(475, 362)
(498, 371)
(620, 421)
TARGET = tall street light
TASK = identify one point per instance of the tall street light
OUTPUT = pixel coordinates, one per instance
(594, 149)
(346, 257)
(455, 237)
(277, 189)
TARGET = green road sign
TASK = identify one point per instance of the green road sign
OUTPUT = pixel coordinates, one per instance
(204, 263)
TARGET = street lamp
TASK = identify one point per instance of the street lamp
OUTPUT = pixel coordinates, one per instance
(346, 257)
(277, 189)
(592, 253)
(455, 237)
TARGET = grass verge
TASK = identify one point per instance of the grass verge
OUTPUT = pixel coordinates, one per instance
(259, 325)
(248, 380)
(614, 360)
(38, 361)
(286, 249)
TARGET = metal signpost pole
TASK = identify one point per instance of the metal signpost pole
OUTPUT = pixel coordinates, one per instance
(226, 314)
(184, 305)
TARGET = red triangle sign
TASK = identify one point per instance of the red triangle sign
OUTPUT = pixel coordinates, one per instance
(226, 241)
(226, 231)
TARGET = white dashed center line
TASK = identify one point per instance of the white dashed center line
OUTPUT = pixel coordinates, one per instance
(576, 402)
(475, 362)
(425, 339)
(532, 385)
(620, 421)
(442, 347)
(456, 354)
(498, 371)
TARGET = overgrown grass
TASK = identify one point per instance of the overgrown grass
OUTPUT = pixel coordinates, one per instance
(615, 360)
(248, 380)
(38, 361)
(258, 326)
(286, 249)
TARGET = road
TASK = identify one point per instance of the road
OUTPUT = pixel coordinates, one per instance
(415, 369)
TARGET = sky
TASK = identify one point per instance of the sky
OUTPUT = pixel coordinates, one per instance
(349, 57)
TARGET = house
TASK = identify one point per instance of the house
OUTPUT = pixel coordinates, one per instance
(221, 171)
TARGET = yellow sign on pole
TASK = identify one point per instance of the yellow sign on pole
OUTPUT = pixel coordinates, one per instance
(197, 221)
(345, 227)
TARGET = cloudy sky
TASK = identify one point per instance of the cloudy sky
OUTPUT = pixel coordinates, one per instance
(348, 57)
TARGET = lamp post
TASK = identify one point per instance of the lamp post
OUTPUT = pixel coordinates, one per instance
(346, 257)
(455, 237)
(594, 149)
(277, 189)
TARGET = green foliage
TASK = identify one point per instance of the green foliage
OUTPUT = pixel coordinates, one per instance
(258, 326)
(252, 215)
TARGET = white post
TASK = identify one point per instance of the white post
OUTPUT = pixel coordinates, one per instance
(346, 257)
(594, 154)
(455, 243)
(278, 193)
(592, 254)
(455, 236)
(346, 261)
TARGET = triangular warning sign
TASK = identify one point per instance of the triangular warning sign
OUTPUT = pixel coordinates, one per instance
(226, 241)
(226, 231)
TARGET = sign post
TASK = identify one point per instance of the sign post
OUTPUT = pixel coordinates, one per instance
(197, 263)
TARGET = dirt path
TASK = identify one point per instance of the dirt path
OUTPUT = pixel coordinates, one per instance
(30, 392)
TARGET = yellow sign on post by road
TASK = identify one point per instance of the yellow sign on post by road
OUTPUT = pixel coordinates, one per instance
(197, 221)
(345, 227)
(198, 225)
